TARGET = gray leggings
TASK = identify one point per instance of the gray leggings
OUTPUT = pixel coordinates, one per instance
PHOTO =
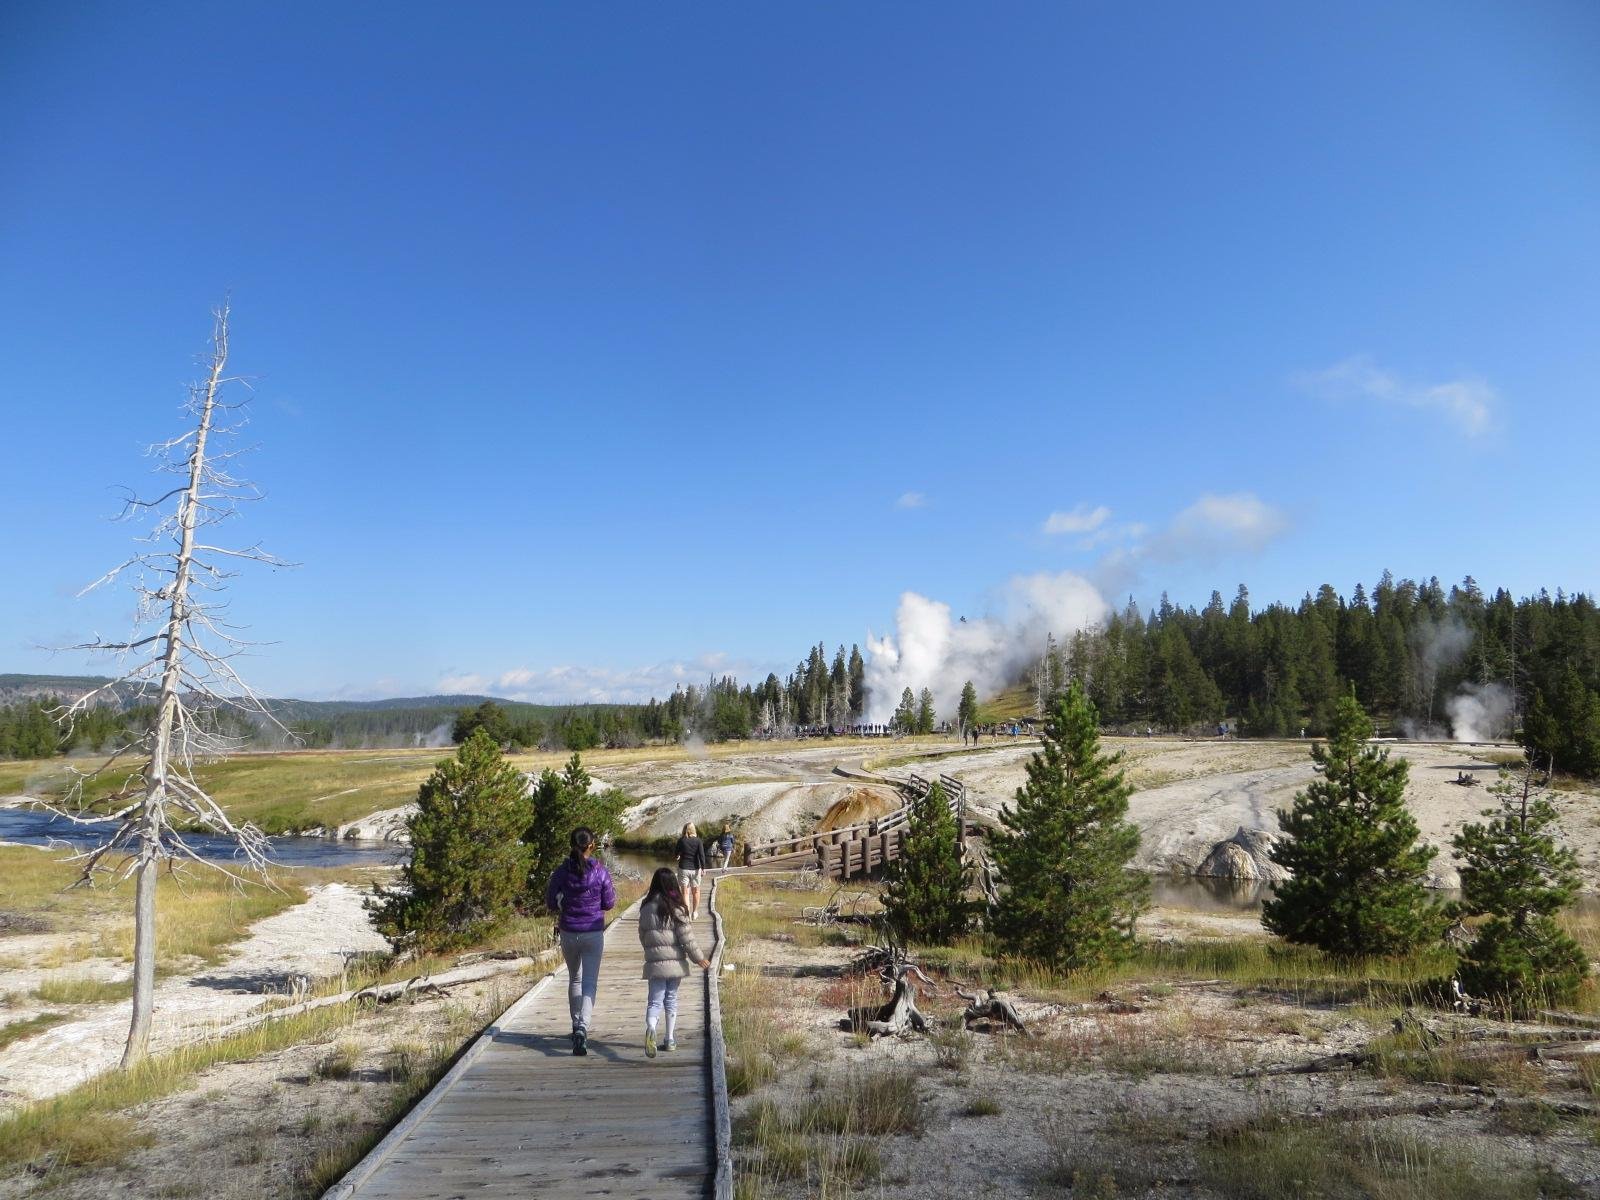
(582, 952)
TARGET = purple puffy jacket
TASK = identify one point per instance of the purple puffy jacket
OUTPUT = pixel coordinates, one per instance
(582, 896)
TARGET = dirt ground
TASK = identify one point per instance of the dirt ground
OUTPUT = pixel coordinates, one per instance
(1117, 1094)
(311, 939)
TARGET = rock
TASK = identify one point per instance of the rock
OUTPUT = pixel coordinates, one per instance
(1246, 855)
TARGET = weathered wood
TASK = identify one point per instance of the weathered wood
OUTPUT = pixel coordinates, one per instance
(519, 1115)
(990, 1005)
(721, 1107)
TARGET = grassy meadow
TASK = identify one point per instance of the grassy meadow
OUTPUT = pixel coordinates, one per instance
(296, 791)
(199, 912)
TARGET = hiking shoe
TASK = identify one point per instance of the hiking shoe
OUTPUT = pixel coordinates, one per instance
(580, 1043)
(650, 1043)
(671, 1045)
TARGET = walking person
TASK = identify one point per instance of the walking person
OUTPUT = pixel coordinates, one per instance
(691, 853)
(580, 893)
(667, 936)
(725, 845)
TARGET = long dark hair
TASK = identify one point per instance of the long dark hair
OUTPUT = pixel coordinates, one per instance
(664, 886)
(582, 839)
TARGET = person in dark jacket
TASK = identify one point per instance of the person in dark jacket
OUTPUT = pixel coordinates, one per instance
(580, 893)
(691, 852)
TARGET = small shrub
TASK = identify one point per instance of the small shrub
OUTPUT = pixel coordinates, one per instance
(982, 1106)
(404, 1062)
(338, 1063)
(952, 1048)
(866, 1102)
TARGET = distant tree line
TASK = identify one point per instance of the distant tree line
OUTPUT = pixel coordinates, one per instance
(28, 729)
(1423, 660)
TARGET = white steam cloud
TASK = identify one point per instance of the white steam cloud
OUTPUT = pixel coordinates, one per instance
(1478, 712)
(931, 650)
(1481, 712)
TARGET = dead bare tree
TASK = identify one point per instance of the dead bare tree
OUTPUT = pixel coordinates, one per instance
(180, 657)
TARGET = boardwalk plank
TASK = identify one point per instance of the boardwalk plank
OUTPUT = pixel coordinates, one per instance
(525, 1117)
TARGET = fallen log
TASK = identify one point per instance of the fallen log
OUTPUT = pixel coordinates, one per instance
(1342, 1061)
(1554, 1047)
(385, 993)
(1551, 1016)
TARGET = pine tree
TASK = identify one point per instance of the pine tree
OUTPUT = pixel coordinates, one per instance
(858, 683)
(1069, 900)
(467, 863)
(1517, 874)
(924, 897)
(967, 713)
(925, 713)
(562, 803)
(1358, 872)
(905, 716)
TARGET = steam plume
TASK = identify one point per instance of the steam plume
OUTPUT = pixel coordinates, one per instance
(1481, 712)
(930, 650)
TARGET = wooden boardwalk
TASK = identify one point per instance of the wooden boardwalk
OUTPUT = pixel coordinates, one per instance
(520, 1116)
(855, 851)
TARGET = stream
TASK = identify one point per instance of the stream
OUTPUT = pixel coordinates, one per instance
(36, 827)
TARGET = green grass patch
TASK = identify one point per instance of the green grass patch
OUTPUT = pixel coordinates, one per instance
(81, 989)
(15, 1031)
(869, 1101)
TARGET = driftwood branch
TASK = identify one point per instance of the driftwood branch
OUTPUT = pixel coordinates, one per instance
(414, 988)
(990, 1005)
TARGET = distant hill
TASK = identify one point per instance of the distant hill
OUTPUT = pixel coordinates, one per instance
(350, 724)
(33, 687)
(70, 687)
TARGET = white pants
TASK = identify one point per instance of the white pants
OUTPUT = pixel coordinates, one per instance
(663, 997)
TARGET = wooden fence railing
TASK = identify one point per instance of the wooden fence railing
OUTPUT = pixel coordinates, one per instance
(856, 850)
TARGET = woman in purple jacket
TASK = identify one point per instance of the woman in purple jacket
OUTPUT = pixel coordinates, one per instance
(580, 894)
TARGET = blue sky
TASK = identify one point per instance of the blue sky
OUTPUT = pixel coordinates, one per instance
(632, 338)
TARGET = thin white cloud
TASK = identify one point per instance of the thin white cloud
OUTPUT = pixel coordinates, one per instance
(1469, 404)
(1214, 527)
(1238, 521)
(576, 684)
(911, 500)
(1081, 519)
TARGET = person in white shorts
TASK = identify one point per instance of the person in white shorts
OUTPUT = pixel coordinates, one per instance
(691, 861)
